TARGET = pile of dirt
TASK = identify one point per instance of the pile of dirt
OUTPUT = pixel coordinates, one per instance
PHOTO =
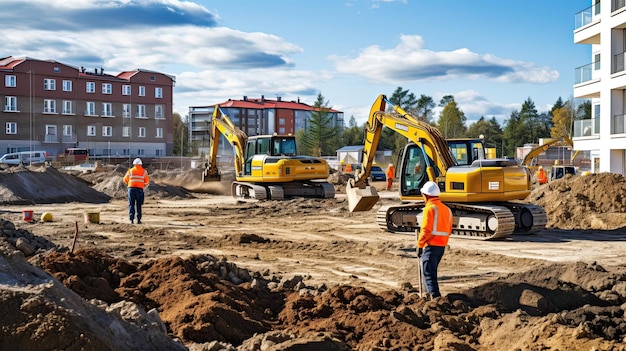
(595, 201)
(572, 306)
(43, 185)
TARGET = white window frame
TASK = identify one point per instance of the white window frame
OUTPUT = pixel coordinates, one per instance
(141, 111)
(158, 112)
(90, 108)
(10, 104)
(51, 133)
(10, 81)
(49, 106)
(107, 131)
(107, 109)
(68, 107)
(142, 90)
(90, 87)
(126, 108)
(126, 89)
(107, 88)
(126, 132)
(91, 130)
(67, 85)
(49, 84)
(158, 93)
(159, 133)
(11, 128)
(67, 130)
(141, 132)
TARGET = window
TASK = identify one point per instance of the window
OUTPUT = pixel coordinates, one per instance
(107, 88)
(158, 112)
(11, 128)
(159, 132)
(141, 152)
(10, 104)
(126, 132)
(141, 111)
(67, 130)
(107, 109)
(142, 132)
(107, 131)
(91, 130)
(49, 84)
(90, 109)
(51, 133)
(126, 89)
(10, 81)
(126, 110)
(67, 85)
(158, 93)
(49, 106)
(67, 107)
(142, 90)
(91, 87)
(596, 62)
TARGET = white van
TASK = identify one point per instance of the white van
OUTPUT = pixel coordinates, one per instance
(24, 157)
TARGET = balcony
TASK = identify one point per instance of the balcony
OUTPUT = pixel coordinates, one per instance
(584, 73)
(618, 63)
(586, 30)
(585, 128)
(586, 16)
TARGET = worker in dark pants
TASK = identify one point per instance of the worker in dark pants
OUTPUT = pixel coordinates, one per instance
(137, 179)
(433, 237)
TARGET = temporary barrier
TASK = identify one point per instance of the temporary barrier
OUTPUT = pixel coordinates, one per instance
(28, 215)
(92, 217)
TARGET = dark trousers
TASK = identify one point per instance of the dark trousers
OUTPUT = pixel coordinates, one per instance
(135, 200)
(430, 261)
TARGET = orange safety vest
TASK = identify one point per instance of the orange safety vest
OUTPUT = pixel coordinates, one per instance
(542, 177)
(136, 177)
(436, 224)
(391, 171)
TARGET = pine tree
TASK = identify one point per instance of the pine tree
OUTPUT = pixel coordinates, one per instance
(322, 135)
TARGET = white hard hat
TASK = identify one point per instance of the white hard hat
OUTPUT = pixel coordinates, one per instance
(137, 161)
(430, 188)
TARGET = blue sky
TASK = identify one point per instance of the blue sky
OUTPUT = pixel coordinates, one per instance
(490, 55)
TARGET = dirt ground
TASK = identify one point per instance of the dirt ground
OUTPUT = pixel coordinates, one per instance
(207, 272)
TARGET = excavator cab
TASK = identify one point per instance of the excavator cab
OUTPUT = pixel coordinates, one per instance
(412, 170)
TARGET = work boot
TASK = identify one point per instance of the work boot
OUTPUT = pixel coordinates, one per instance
(131, 221)
(139, 221)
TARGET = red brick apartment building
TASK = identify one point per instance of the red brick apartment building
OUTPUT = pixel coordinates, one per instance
(52, 106)
(254, 116)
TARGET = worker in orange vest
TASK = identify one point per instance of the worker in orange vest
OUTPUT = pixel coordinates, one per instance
(137, 179)
(542, 177)
(391, 173)
(435, 230)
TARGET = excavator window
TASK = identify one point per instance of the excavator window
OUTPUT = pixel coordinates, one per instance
(284, 146)
(413, 173)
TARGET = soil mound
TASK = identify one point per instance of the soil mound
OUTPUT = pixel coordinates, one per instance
(44, 185)
(199, 301)
(595, 201)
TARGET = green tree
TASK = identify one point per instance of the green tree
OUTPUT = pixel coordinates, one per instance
(322, 135)
(583, 110)
(353, 135)
(181, 136)
(490, 130)
(452, 121)
(425, 105)
(445, 100)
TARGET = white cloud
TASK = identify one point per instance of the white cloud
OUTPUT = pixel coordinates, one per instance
(410, 61)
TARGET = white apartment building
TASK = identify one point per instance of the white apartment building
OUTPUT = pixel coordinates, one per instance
(602, 26)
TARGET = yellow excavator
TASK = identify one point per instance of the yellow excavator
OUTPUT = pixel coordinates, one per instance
(267, 167)
(483, 193)
(557, 171)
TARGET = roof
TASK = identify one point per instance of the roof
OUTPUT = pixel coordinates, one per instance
(351, 148)
(262, 103)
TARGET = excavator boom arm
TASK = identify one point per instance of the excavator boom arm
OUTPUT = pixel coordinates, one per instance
(221, 124)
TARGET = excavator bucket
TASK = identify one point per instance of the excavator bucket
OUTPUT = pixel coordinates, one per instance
(209, 176)
(361, 199)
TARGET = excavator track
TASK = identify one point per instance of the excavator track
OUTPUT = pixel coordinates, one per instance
(481, 222)
(309, 189)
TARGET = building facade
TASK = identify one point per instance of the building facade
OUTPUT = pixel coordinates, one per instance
(602, 27)
(53, 106)
(257, 116)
